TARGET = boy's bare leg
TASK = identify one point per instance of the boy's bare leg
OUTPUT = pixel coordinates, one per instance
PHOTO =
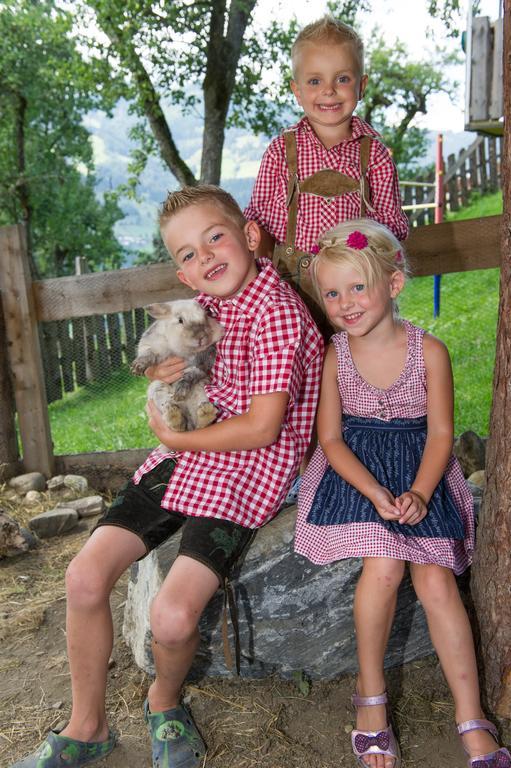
(89, 581)
(175, 614)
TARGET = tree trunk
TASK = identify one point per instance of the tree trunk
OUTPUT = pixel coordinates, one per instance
(492, 563)
(222, 62)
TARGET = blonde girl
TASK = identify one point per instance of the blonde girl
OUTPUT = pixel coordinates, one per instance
(383, 484)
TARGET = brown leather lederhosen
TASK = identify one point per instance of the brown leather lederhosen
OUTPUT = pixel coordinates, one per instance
(293, 264)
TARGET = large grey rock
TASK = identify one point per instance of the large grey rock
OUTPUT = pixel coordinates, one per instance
(14, 540)
(31, 481)
(54, 522)
(293, 615)
(89, 506)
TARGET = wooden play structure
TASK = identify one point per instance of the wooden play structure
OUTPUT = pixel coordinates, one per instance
(484, 85)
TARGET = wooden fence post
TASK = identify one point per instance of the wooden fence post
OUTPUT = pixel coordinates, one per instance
(24, 351)
(8, 443)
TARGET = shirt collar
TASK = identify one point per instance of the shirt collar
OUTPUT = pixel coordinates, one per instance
(266, 281)
(359, 128)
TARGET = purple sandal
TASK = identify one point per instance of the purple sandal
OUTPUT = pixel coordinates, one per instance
(498, 759)
(381, 742)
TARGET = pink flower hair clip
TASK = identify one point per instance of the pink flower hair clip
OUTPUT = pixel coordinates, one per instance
(357, 240)
(315, 250)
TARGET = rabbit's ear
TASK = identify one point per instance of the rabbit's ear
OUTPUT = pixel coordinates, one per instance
(159, 310)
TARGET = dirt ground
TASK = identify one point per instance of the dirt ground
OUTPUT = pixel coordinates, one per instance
(267, 723)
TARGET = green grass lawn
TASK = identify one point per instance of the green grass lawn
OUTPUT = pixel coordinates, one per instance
(110, 415)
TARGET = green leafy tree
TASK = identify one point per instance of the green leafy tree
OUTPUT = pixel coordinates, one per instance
(208, 59)
(46, 162)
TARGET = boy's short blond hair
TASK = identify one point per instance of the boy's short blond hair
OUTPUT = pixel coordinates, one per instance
(200, 195)
(379, 256)
(330, 30)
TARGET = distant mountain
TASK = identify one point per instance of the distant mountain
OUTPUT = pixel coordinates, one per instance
(241, 158)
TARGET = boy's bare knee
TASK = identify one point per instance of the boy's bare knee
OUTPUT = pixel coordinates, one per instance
(172, 624)
(85, 587)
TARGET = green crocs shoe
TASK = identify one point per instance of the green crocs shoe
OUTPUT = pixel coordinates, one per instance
(58, 751)
(176, 742)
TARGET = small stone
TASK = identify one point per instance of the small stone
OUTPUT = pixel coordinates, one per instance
(31, 481)
(60, 725)
(348, 728)
(33, 496)
(55, 483)
(111, 663)
(54, 522)
(76, 483)
(86, 507)
(57, 705)
(478, 478)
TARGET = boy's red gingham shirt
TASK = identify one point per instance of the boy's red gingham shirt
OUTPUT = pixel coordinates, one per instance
(271, 344)
(317, 214)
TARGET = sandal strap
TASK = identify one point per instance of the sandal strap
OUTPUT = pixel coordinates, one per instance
(369, 701)
(475, 725)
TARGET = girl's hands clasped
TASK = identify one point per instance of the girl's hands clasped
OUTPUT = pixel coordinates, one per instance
(385, 504)
(412, 506)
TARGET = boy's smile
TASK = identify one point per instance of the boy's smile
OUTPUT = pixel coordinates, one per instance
(328, 86)
(212, 253)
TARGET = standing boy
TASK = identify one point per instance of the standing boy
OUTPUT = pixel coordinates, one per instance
(228, 478)
(330, 166)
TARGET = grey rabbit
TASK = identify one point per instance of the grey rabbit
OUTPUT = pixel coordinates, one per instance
(183, 329)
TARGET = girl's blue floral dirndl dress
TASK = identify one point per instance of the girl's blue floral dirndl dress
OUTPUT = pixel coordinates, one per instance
(386, 430)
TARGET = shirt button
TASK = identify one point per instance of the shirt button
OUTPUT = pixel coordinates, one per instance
(305, 263)
(289, 250)
(328, 199)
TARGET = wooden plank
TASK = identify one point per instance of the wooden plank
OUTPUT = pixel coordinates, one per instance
(24, 351)
(455, 246)
(496, 109)
(8, 440)
(103, 354)
(78, 327)
(492, 154)
(463, 183)
(114, 337)
(50, 357)
(66, 354)
(483, 172)
(452, 184)
(91, 355)
(103, 292)
(129, 332)
(481, 69)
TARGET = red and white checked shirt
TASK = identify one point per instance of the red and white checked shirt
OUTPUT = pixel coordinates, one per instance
(317, 214)
(271, 344)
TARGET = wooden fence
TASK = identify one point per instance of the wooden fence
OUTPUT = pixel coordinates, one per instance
(449, 247)
(475, 169)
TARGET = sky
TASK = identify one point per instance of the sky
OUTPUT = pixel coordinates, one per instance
(406, 20)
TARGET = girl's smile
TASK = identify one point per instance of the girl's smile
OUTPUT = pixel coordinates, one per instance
(350, 304)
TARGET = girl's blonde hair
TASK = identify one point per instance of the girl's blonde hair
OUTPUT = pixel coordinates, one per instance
(364, 244)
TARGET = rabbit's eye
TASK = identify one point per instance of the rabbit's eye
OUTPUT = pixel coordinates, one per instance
(181, 320)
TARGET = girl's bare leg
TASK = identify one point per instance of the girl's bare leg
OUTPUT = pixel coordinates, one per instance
(90, 578)
(451, 636)
(374, 608)
(175, 614)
